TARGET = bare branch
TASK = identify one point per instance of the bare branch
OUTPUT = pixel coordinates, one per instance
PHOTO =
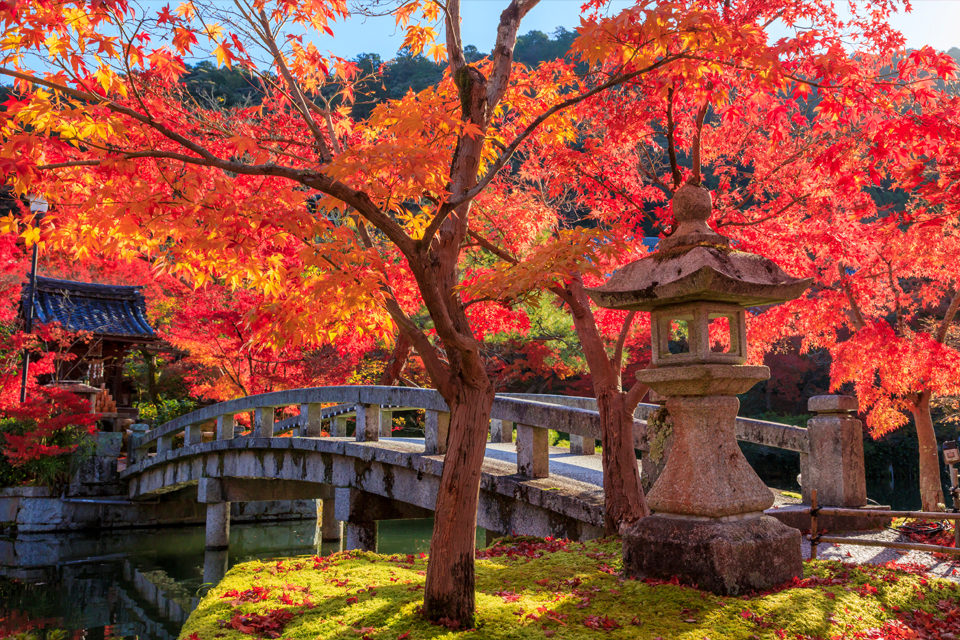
(621, 339)
(671, 142)
(695, 177)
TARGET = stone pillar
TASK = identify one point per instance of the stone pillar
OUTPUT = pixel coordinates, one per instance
(834, 464)
(193, 435)
(329, 525)
(581, 446)
(355, 510)
(386, 423)
(338, 426)
(225, 427)
(210, 493)
(164, 443)
(501, 430)
(263, 422)
(135, 452)
(436, 429)
(215, 562)
(312, 425)
(360, 535)
(368, 423)
(533, 451)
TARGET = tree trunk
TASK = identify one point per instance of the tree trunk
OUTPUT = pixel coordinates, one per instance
(931, 493)
(623, 498)
(624, 501)
(449, 594)
(151, 362)
(401, 350)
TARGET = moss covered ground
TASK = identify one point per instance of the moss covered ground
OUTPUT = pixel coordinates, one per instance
(530, 588)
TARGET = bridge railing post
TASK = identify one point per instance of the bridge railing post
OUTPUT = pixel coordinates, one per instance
(582, 446)
(312, 424)
(193, 435)
(386, 423)
(368, 423)
(226, 430)
(501, 430)
(263, 421)
(533, 451)
(435, 433)
(338, 426)
(165, 443)
(834, 464)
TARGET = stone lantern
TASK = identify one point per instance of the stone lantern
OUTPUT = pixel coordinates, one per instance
(708, 526)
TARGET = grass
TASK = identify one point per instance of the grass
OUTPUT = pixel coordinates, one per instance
(529, 588)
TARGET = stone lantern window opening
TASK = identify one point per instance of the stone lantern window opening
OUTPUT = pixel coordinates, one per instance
(682, 334)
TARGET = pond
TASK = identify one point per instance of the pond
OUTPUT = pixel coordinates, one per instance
(142, 583)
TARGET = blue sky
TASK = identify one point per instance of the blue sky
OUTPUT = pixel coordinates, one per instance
(933, 22)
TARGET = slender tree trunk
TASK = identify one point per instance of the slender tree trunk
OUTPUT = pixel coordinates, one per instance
(151, 362)
(449, 594)
(624, 500)
(398, 358)
(931, 493)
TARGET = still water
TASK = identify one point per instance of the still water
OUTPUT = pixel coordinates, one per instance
(141, 584)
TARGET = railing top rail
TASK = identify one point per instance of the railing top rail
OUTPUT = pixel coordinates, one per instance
(539, 414)
(570, 414)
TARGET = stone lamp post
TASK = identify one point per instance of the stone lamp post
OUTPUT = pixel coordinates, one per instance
(708, 526)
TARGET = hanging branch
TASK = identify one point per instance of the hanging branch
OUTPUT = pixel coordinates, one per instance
(695, 174)
(671, 144)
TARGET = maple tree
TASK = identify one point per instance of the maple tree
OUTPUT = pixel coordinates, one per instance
(221, 195)
(589, 204)
(216, 328)
(886, 275)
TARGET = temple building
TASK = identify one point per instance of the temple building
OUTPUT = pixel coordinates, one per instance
(112, 320)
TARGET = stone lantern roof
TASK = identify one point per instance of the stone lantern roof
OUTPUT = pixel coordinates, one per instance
(696, 264)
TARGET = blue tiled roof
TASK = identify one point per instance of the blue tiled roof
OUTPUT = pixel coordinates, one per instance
(102, 309)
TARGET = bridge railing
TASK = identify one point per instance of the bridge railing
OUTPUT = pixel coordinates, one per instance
(325, 411)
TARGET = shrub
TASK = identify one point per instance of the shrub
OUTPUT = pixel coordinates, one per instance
(42, 438)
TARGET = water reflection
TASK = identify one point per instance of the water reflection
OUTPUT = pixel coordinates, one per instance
(142, 584)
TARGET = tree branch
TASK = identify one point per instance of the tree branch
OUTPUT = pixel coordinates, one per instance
(948, 317)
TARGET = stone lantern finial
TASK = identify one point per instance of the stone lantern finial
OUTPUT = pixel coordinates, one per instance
(692, 206)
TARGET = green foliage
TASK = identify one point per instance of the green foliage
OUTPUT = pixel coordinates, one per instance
(532, 588)
(165, 409)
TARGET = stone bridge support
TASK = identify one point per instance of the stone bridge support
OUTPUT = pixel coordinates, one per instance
(359, 511)
(210, 492)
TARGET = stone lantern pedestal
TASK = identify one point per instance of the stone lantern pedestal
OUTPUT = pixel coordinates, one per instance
(708, 527)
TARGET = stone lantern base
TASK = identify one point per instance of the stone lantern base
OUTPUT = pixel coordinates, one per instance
(725, 556)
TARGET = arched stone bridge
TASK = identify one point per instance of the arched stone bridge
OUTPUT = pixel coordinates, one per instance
(527, 489)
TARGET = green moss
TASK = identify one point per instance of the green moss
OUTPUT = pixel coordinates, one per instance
(554, 589)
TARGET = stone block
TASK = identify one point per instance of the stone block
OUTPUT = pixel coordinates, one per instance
(726, 557)
(108, 444)
(368, 423)
(580, 446)
(533, 451)
(209, 491)
(798, 517)
(225, 427)
(263, 422)
(311, 420)
(9, 505)
(435, 432)
(834, 464)
(501, 431)
(833, 404)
